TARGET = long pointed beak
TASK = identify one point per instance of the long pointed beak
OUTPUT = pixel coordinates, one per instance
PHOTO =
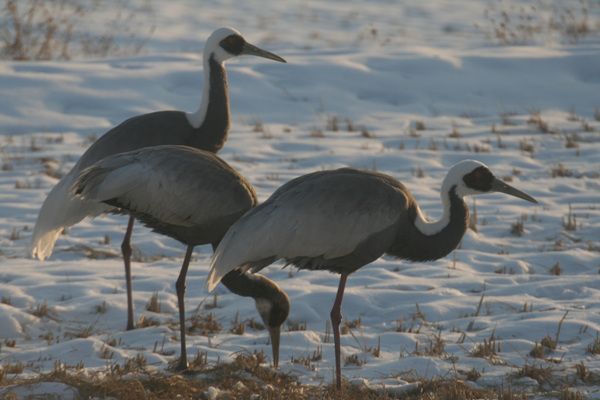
(252, 50)
(275, 333)
(499, 186)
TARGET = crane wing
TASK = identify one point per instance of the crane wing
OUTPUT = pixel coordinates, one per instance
(324, 214)
(174, 184)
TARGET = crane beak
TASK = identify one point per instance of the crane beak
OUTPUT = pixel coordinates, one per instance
(275, 333)
(252, 50)
(500, 186)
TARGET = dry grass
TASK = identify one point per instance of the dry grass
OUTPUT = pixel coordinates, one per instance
(317, 133)
(154, 305)
(96, 254)
(525, 146)
(572, 141)
(307, 360)
(594, 347)
(556, 270)
(348, 325)
(27, 185)
(542, 349)
(544, 21)
(518, 228)
(81, 333)
(488, 349)
(411, 329)
(432, 145)
(41, 310)
(364, 132)
(435, 347)
(244, 378)
(419, 125)
(455, 132)
(333, 123)
(15, 234)
(295, 326)
(59, 29)
(561, 171)
(203, 324)
(238, 327)
(258, 126)
(570, 224)
(418, 172)
(539, 373)
(146, 322)
(446, 389)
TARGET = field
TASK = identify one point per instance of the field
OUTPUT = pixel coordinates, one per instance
(405, 88)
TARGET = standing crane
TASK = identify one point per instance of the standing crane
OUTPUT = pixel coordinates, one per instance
(342, 220)
(204, 129)
(192, 196)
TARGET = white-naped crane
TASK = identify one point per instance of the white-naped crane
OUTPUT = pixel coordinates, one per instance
(192, 196)
(341, 220)
(204, 129)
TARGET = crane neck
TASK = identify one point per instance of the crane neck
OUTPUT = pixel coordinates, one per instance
(422, 240)
(272, 303)
(212, 117)
(250, 285)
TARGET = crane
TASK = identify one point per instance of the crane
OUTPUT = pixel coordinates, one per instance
(341, 220)
(192, 196)
(204, 129)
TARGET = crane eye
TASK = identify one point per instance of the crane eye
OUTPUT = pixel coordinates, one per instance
(233, 44)
(234, 40)
(479, 179)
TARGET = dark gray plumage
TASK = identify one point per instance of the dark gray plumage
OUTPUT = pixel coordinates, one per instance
(192, 196)
(344, 219)
(205, 129)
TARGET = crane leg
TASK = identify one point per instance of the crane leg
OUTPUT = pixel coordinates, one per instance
(127, 250)
(336, 319)
(180, 287)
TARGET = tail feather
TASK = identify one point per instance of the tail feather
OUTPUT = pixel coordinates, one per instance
(58, 212)
(248, 243)
(42, 243)
(220, 267)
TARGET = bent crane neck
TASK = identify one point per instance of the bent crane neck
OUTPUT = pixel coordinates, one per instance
(250, 285)
(428, 241)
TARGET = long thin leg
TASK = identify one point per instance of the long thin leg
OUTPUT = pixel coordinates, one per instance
(180, 287)
(336, 319)
(127, 250)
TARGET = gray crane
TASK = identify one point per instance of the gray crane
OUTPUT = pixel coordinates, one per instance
(192, 196)
(341, 220)
(204, 129)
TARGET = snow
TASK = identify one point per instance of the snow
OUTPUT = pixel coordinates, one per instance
(384, 68)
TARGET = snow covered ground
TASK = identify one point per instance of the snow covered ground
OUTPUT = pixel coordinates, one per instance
(407, 88)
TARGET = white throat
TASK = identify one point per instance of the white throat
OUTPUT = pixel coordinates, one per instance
(432, 228)
(197, 118)
(453, 179)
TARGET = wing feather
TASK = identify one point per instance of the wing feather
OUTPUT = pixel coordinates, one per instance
(327, 213)
(174, 184)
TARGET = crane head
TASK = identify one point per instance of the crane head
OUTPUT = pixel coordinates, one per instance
(274, 311)
(226, 43)
(473, 178)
